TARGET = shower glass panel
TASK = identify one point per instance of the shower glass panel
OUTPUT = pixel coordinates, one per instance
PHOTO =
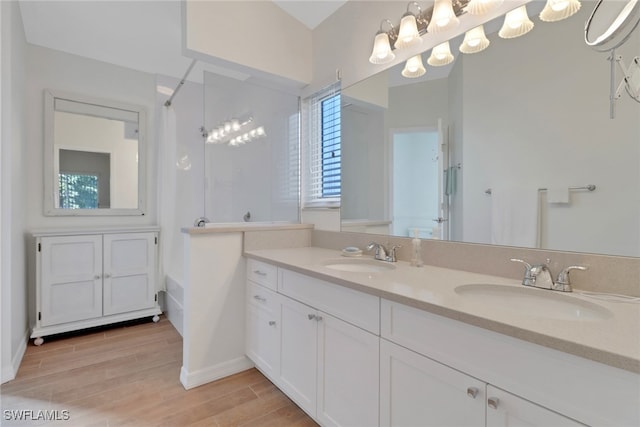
(252, 151)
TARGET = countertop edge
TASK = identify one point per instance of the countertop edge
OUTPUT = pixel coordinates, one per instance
(545, 340)
(239, 227)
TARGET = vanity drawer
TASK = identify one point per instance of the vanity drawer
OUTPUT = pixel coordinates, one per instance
(260, 296)
(262, 273)
(357, 308)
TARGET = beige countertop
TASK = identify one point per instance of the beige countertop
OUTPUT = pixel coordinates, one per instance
(613, 340)
(233, 227)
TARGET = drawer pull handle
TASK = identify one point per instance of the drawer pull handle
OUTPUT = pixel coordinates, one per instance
(312, 316)
(472, 392)
(96, 277)
(493, 402)
(259, 298)
(259, 272)
(272, 323)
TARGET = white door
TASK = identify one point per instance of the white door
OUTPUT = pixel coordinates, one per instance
(129, 272)
(416, 181)
(417, 391)
(263, 330)
(348, 374)
(70, 279)
(507, 410)
(298, 353)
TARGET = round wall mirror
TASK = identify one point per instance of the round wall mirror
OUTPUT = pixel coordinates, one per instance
(611, 23)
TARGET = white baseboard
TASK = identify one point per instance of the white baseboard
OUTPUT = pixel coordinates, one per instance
(9, 372)
(190, 380)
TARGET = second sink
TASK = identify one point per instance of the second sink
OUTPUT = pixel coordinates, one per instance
(358, 265)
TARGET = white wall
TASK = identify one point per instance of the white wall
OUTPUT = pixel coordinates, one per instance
(13, 272)
(539, 123)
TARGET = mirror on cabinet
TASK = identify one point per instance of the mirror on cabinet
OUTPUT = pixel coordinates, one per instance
(531, 113)
(94, 156)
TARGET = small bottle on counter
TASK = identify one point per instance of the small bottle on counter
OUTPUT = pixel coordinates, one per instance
(416, 259)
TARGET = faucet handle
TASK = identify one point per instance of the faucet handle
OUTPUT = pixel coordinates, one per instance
(527, 280)
(526, 264)
(562, 282)
(391, 255)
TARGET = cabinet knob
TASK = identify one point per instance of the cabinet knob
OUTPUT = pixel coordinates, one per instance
(311, 316)
(259, 298)
(472, 392)
(107, 275)
(272, 323)
(96, 277)
(493, 402)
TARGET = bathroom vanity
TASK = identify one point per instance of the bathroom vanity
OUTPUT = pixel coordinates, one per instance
(354, 344)
(93, 277)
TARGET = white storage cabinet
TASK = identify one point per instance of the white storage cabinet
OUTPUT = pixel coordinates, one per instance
(93, 278)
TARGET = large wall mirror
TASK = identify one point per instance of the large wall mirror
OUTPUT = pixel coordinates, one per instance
(531, 112)
(94, 156)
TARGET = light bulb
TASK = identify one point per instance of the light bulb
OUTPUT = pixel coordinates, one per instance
(440, 55)
(235, 125)
(414, 68)
(227, 127)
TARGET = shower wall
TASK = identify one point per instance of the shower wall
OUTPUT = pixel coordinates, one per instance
(259, 177)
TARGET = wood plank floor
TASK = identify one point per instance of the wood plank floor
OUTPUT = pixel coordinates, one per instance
(129, 376)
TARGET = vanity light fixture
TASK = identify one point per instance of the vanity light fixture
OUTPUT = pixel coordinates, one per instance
(440, 55)
(474, 41)
(516, 24)
(557, 10)
(408, 34)
(382, 53)
(480, 7)
(443, 17)
(414, 68)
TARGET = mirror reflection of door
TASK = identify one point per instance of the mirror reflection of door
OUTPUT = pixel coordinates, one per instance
(84, 179)
(416, 182)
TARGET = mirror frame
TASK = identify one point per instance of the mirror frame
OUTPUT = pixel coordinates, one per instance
(50, 180)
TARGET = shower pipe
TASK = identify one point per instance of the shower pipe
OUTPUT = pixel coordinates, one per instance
(168, 102)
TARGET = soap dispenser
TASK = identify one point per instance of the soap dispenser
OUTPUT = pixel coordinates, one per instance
(416, 259)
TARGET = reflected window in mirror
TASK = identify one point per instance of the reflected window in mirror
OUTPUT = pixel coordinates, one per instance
(94, 156)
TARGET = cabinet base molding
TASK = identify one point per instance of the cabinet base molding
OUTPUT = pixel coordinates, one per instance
(42, 331)
(191, 380)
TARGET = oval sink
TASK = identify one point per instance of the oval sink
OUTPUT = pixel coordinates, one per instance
(358, 265)
(531, 301)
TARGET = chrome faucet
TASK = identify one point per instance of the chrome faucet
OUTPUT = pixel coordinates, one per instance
(539, 276)
(381, 253)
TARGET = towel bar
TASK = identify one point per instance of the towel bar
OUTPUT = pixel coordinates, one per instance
(589, 187)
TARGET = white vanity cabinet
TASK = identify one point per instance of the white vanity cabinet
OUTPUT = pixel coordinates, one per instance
(93, 278)
(262, 338)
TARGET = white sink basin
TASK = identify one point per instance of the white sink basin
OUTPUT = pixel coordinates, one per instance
(358, 265)
(531, 301)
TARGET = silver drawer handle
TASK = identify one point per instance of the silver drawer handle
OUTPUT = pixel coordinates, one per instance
(272, 322)
(259, 298)
(493, 402)
(259, 272)
(472, 392)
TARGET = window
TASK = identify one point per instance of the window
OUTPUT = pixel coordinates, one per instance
(322, 161)
(78, 191)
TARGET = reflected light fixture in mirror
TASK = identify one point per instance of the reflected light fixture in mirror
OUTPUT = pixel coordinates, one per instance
(408, 35)
(474, 41)
(440, 55)
(443, 17)
(557, 10)
(516, 24)
(382, 53)
(414, 68)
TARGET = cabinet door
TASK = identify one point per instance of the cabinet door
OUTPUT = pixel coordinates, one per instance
(507, 410)
(263, 330)
(129, 272)
(348, 374)
(70, 278)
(417, 391)
(298, 352)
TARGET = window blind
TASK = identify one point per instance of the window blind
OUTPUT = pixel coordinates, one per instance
(321, 133)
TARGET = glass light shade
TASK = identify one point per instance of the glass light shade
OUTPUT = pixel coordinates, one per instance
(235, 125)
(557, 10)
(516, 24)
(440, 55)
(443, 17)
(474, 41)
(381, 53)
(408, 34)
(480, 7)
(413, 67)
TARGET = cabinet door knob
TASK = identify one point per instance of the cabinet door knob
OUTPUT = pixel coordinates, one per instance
(96, 277)
(259, 273)
(272, 322)
(311, 316)
(472, 392)
(493, 402)
(259, 298)
(107, 275)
